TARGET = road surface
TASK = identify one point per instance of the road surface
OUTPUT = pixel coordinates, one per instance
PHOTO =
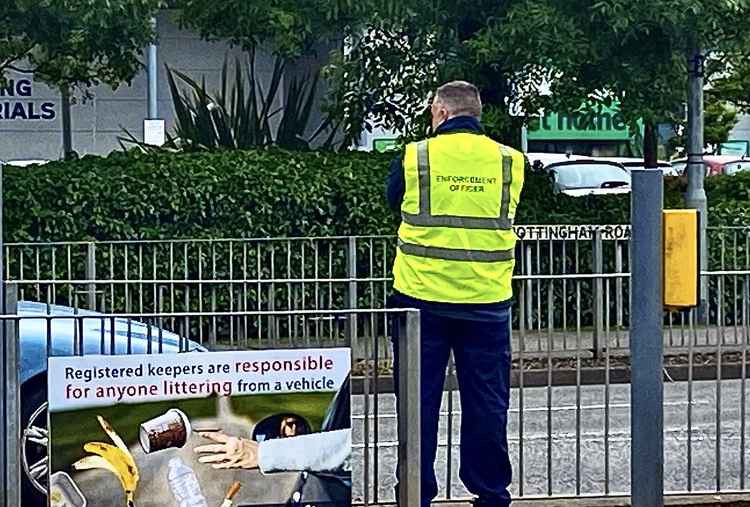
(556, 446)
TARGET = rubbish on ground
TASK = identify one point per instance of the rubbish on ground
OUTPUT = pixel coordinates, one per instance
(184, 485)
(116, 459)
(233, 490)
(171, 429)
(63, 491)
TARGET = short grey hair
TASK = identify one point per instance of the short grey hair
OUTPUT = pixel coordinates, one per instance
(460, 98)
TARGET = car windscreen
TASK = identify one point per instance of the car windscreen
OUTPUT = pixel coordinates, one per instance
(589, 175)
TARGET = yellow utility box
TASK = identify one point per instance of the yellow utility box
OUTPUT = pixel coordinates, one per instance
(681, 259)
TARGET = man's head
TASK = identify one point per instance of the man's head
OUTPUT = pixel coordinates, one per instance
(292, 426)
(457, 98)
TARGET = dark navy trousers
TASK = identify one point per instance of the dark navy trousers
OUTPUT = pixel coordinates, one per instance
(481, 350)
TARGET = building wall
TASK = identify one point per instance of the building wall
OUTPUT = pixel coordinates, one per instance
(97, 123)
(742, 129)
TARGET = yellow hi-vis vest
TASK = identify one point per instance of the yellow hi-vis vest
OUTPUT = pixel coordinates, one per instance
(456, 242)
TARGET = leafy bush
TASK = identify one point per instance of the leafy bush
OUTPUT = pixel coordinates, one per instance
(267, 193)
(240, 114)
(207, 194)
(271, 193)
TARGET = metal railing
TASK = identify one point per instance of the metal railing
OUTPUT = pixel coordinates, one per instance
(570, 398)
(548, 249)
(562, 287)
(569, 424)
(367, 398)
(294, 274)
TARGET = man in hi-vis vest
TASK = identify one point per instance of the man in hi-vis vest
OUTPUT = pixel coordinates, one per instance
(457, 193)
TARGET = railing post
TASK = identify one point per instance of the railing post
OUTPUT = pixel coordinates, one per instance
(598, 269)
(3, 387)
(618, 284)
(705, 250)
(11, 403)
(646, 340)
(351, 273)
(409, 409)
(91, 274)
(529, 289)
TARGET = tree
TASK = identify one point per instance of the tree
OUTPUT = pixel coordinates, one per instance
(393, 65)
(73, 45)
(733, 85)
(720, 117)
(386, 55)
(631, 51)
(290, 27)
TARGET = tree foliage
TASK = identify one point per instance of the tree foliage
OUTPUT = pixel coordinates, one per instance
(75, 43)
(537, 54)
(289, 26)
(632, 51)
(720, 117)
(383, 78)
(733, 83)
(396, 61)
(386, 55)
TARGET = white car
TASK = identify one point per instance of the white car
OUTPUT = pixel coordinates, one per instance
(630, 163)
(577, 178)
(539, 161)
(717, 164)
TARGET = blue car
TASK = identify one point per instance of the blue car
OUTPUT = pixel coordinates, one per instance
(43, 337)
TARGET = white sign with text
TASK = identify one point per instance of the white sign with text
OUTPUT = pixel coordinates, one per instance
(94, 380)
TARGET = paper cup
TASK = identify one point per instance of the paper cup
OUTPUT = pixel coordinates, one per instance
(169, 430)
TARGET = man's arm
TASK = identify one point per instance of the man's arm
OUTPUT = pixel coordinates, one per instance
(316, 452)
(395, 184)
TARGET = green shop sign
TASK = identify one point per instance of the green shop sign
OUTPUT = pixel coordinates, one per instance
(586, 124)
(383, 145)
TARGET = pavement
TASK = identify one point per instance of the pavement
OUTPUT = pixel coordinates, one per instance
(733, 500)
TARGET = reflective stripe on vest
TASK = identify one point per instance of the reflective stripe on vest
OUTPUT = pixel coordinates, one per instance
(426, 219)
(452, 254)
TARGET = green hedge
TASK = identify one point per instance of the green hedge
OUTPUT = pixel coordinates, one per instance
(223, 194)
(264, 193)
(267, 193)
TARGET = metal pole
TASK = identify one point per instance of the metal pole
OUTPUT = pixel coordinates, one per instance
(409, 419)
(66, 127)
(351, 272)
(3, 387)
(91, 274)
(599, 308)
(524, 138)
(646, 342)
(153, 82)
(695, 197)
(12, 401)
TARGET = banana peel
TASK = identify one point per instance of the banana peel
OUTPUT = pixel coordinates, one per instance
(116, 459)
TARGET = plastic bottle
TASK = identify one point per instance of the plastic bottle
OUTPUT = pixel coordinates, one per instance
(184, 485)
